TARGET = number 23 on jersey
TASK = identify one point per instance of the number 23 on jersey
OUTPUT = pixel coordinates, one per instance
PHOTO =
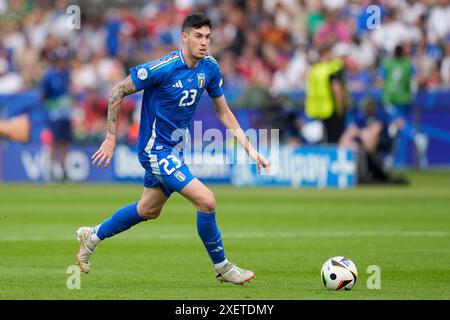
(188, 98)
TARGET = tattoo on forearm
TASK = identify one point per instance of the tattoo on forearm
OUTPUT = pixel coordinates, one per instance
(119, 91)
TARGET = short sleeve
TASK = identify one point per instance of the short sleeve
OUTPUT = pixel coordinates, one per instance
(214, 87)
(339, 75)
(144, 76)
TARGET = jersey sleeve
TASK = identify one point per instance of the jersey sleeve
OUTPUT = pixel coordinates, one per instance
(214, 87)
(144, 76)
(338, 75)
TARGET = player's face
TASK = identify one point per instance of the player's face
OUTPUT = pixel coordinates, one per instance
(197, 41)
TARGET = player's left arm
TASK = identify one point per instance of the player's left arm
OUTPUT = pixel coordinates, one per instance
(226, 116)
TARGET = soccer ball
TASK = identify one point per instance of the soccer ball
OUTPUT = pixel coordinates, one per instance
(339, 272)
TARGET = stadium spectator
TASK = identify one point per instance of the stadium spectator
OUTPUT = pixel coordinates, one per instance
(28, 63)
(10, 81)
(368, 135)
(445, 68)
(315, 17)
(290, 74)
(232, 80)
(335, 29)
(286, 24)
(358, 78)
(57, 101)
(88, 120)
(438, 26)
(272, 42)
(393, 32)
(326, 94)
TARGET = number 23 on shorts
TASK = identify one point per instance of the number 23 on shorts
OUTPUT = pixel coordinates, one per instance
(174, 164)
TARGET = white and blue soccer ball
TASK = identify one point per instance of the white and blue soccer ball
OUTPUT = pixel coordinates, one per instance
(339, 273)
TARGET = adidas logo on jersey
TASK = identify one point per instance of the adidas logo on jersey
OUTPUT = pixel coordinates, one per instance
(178, 84)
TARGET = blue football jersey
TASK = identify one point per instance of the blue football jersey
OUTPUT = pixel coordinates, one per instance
(172, 91)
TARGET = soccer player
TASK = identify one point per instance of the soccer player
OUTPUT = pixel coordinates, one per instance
(58, 104)
(398, 97)
(172, 88)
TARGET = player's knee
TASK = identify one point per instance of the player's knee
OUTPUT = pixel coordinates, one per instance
(207, 203)
(149, 212)
(152, 213)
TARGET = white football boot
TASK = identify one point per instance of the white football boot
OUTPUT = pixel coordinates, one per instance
(232, 273)
(87, 247)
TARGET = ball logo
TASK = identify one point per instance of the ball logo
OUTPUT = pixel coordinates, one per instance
(346, 263)
(142, 74)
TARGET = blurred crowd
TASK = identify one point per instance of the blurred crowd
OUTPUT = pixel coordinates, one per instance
(266, 45)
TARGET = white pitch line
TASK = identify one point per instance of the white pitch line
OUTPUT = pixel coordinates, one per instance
(249, 235)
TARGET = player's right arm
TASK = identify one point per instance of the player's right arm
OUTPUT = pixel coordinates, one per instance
(143, 76)
(118, 92)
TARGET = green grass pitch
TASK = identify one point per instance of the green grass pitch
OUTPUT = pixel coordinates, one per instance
(282, 234)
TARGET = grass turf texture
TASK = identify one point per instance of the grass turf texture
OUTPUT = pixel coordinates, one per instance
(284, 235)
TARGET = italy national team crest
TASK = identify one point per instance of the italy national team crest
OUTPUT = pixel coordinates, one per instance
(201, 80)
(179, 175)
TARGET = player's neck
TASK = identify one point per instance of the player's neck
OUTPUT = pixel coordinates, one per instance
(190, 61)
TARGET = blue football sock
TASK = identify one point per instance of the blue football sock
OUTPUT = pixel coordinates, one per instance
(210, 235)
(122, 220)
(409, 130)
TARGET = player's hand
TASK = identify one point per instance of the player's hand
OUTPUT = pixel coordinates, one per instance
(261, 162)
(104, 153)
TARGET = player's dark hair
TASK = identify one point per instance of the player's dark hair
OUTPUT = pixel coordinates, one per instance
(196, 20)
(398, 51)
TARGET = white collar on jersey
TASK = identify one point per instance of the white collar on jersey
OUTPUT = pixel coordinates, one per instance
(180, 52)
